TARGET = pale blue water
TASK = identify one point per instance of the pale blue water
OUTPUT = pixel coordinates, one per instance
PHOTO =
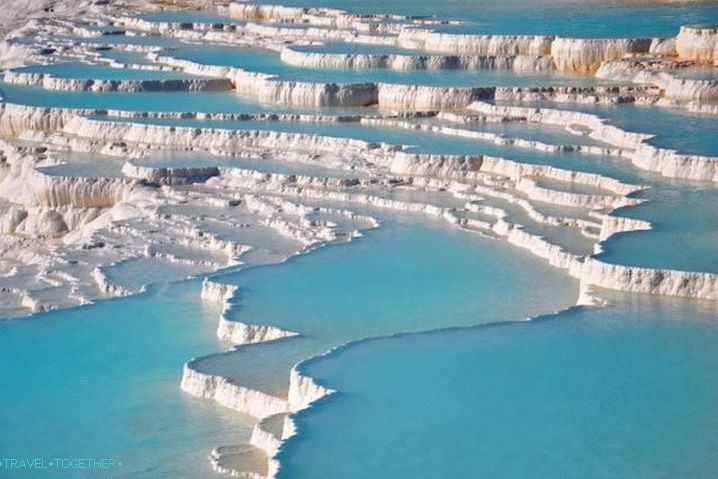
(657, 255)
(258, 60)
(80, 164)
(350, 48)
(136, 39)
(103, 381)
(85, 70)
(184, 101)
(568, 238)
(551, 134)
(212, 102)
(576, 18)
(626, 391)
(136, 272)
(687, 132)
(408, 275)
(682, 214)
(200, 16)
(696, 73)
(425, 142)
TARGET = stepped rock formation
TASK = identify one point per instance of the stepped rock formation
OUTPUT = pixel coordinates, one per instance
(164, 185)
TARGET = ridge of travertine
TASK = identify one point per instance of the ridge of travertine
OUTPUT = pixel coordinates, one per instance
(48, 221)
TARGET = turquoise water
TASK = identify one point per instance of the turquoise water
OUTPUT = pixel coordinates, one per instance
(568, 238)
(551, 134)
(424, 142)
(185, 101)
(258, 60)
(408, 275)
(84, 70)
(681, 213)
(136, 39)
(134, 273)
(189, 17)
(576, 18)
(80, 164)
(696, 73)
(358, 48)
(103, 381)
(626, 391)
(212, 102)
(684, 131)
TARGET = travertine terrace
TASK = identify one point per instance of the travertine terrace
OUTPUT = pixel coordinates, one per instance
(65, 237)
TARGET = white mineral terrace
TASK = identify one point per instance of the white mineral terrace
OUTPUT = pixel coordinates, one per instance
(66, 239)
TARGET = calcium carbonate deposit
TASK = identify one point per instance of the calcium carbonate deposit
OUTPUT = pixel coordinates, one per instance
(148, 147)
